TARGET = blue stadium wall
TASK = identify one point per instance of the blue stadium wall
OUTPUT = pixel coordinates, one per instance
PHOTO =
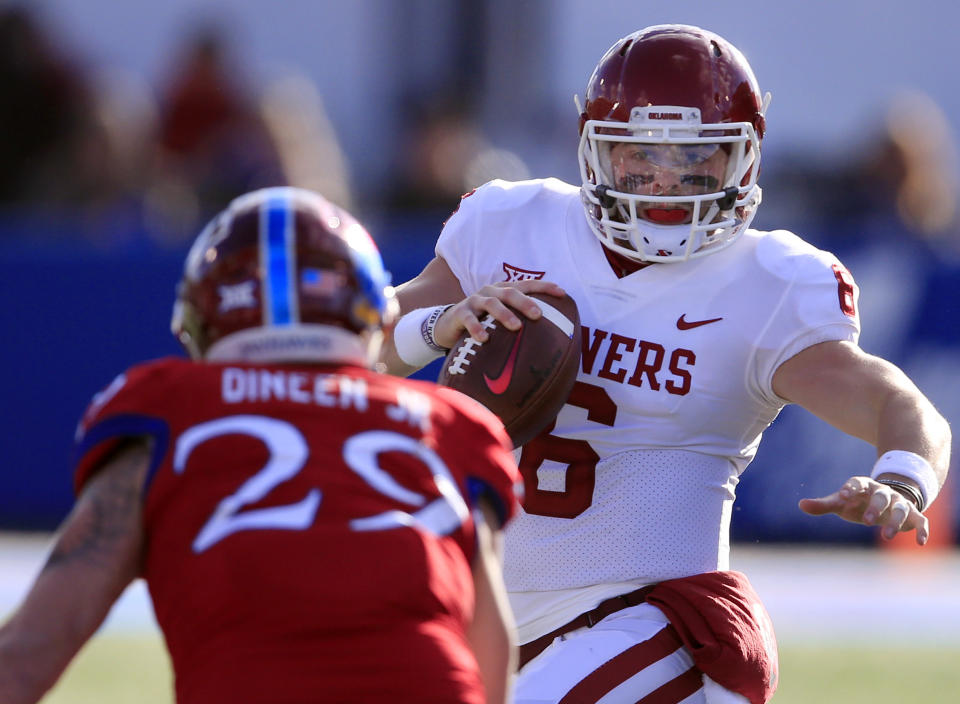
(76, 314)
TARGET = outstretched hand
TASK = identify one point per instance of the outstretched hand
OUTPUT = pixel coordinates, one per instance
(863, 500)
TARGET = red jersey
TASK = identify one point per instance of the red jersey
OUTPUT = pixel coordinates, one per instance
(309, 529)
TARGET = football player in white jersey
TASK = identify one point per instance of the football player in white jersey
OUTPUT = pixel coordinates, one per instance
(697, 330)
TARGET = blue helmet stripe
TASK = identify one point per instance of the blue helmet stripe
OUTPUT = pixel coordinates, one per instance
(276, 241)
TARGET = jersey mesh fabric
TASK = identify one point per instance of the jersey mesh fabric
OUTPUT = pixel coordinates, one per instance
(656, 514)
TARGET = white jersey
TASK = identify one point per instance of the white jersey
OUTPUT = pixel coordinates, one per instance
(635, 482)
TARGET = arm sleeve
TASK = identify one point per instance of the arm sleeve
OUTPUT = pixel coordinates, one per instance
(123, 410)
(817, 303)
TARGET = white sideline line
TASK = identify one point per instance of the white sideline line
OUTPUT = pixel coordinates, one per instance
(22, 556)
(816, 594)
(813, 594)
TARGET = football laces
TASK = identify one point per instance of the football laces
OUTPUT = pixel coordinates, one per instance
(469, 348)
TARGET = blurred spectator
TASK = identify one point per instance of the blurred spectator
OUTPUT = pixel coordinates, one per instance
(444, 154)
(307, 146)
(925, 182)
(126, 112)
(212, 143)
(109, 160)
(900, 179)
(49, 138)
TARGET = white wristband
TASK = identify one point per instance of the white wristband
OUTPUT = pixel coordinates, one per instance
(910, 465)
(413, 336)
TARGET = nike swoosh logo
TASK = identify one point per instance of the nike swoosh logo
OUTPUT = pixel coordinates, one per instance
(683, 324)
(500, 383)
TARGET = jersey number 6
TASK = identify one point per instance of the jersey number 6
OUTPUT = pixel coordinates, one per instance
(581, 459)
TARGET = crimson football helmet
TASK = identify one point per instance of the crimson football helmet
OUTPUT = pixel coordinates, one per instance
(283, 275)
(677, 95)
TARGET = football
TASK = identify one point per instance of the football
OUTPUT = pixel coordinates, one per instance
(523, 376)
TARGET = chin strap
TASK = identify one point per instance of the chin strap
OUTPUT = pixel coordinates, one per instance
(729, 198)
(603, 195)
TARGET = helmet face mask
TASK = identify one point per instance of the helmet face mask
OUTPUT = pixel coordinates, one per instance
(670, 145)
(283, 275)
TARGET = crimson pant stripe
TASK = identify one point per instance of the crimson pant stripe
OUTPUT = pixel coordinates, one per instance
(623, 667)
(677, 689)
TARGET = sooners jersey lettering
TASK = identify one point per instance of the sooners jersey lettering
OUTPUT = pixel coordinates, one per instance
(302, 522)
(651, 358)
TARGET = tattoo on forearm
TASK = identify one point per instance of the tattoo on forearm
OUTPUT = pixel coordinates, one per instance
(101, 518)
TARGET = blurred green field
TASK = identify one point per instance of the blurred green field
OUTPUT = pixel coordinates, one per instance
(117, 669)
(121, 670)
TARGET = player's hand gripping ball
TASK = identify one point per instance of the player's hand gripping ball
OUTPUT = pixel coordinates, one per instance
(523, 376)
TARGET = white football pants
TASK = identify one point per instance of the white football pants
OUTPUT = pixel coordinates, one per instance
(626, 658)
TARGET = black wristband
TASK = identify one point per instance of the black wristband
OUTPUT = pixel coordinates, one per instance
(907, 491)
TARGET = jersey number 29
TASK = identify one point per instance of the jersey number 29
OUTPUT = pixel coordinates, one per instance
(288, 453)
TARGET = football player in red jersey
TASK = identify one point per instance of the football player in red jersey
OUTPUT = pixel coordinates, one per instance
(310, 530)
(697, 330)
